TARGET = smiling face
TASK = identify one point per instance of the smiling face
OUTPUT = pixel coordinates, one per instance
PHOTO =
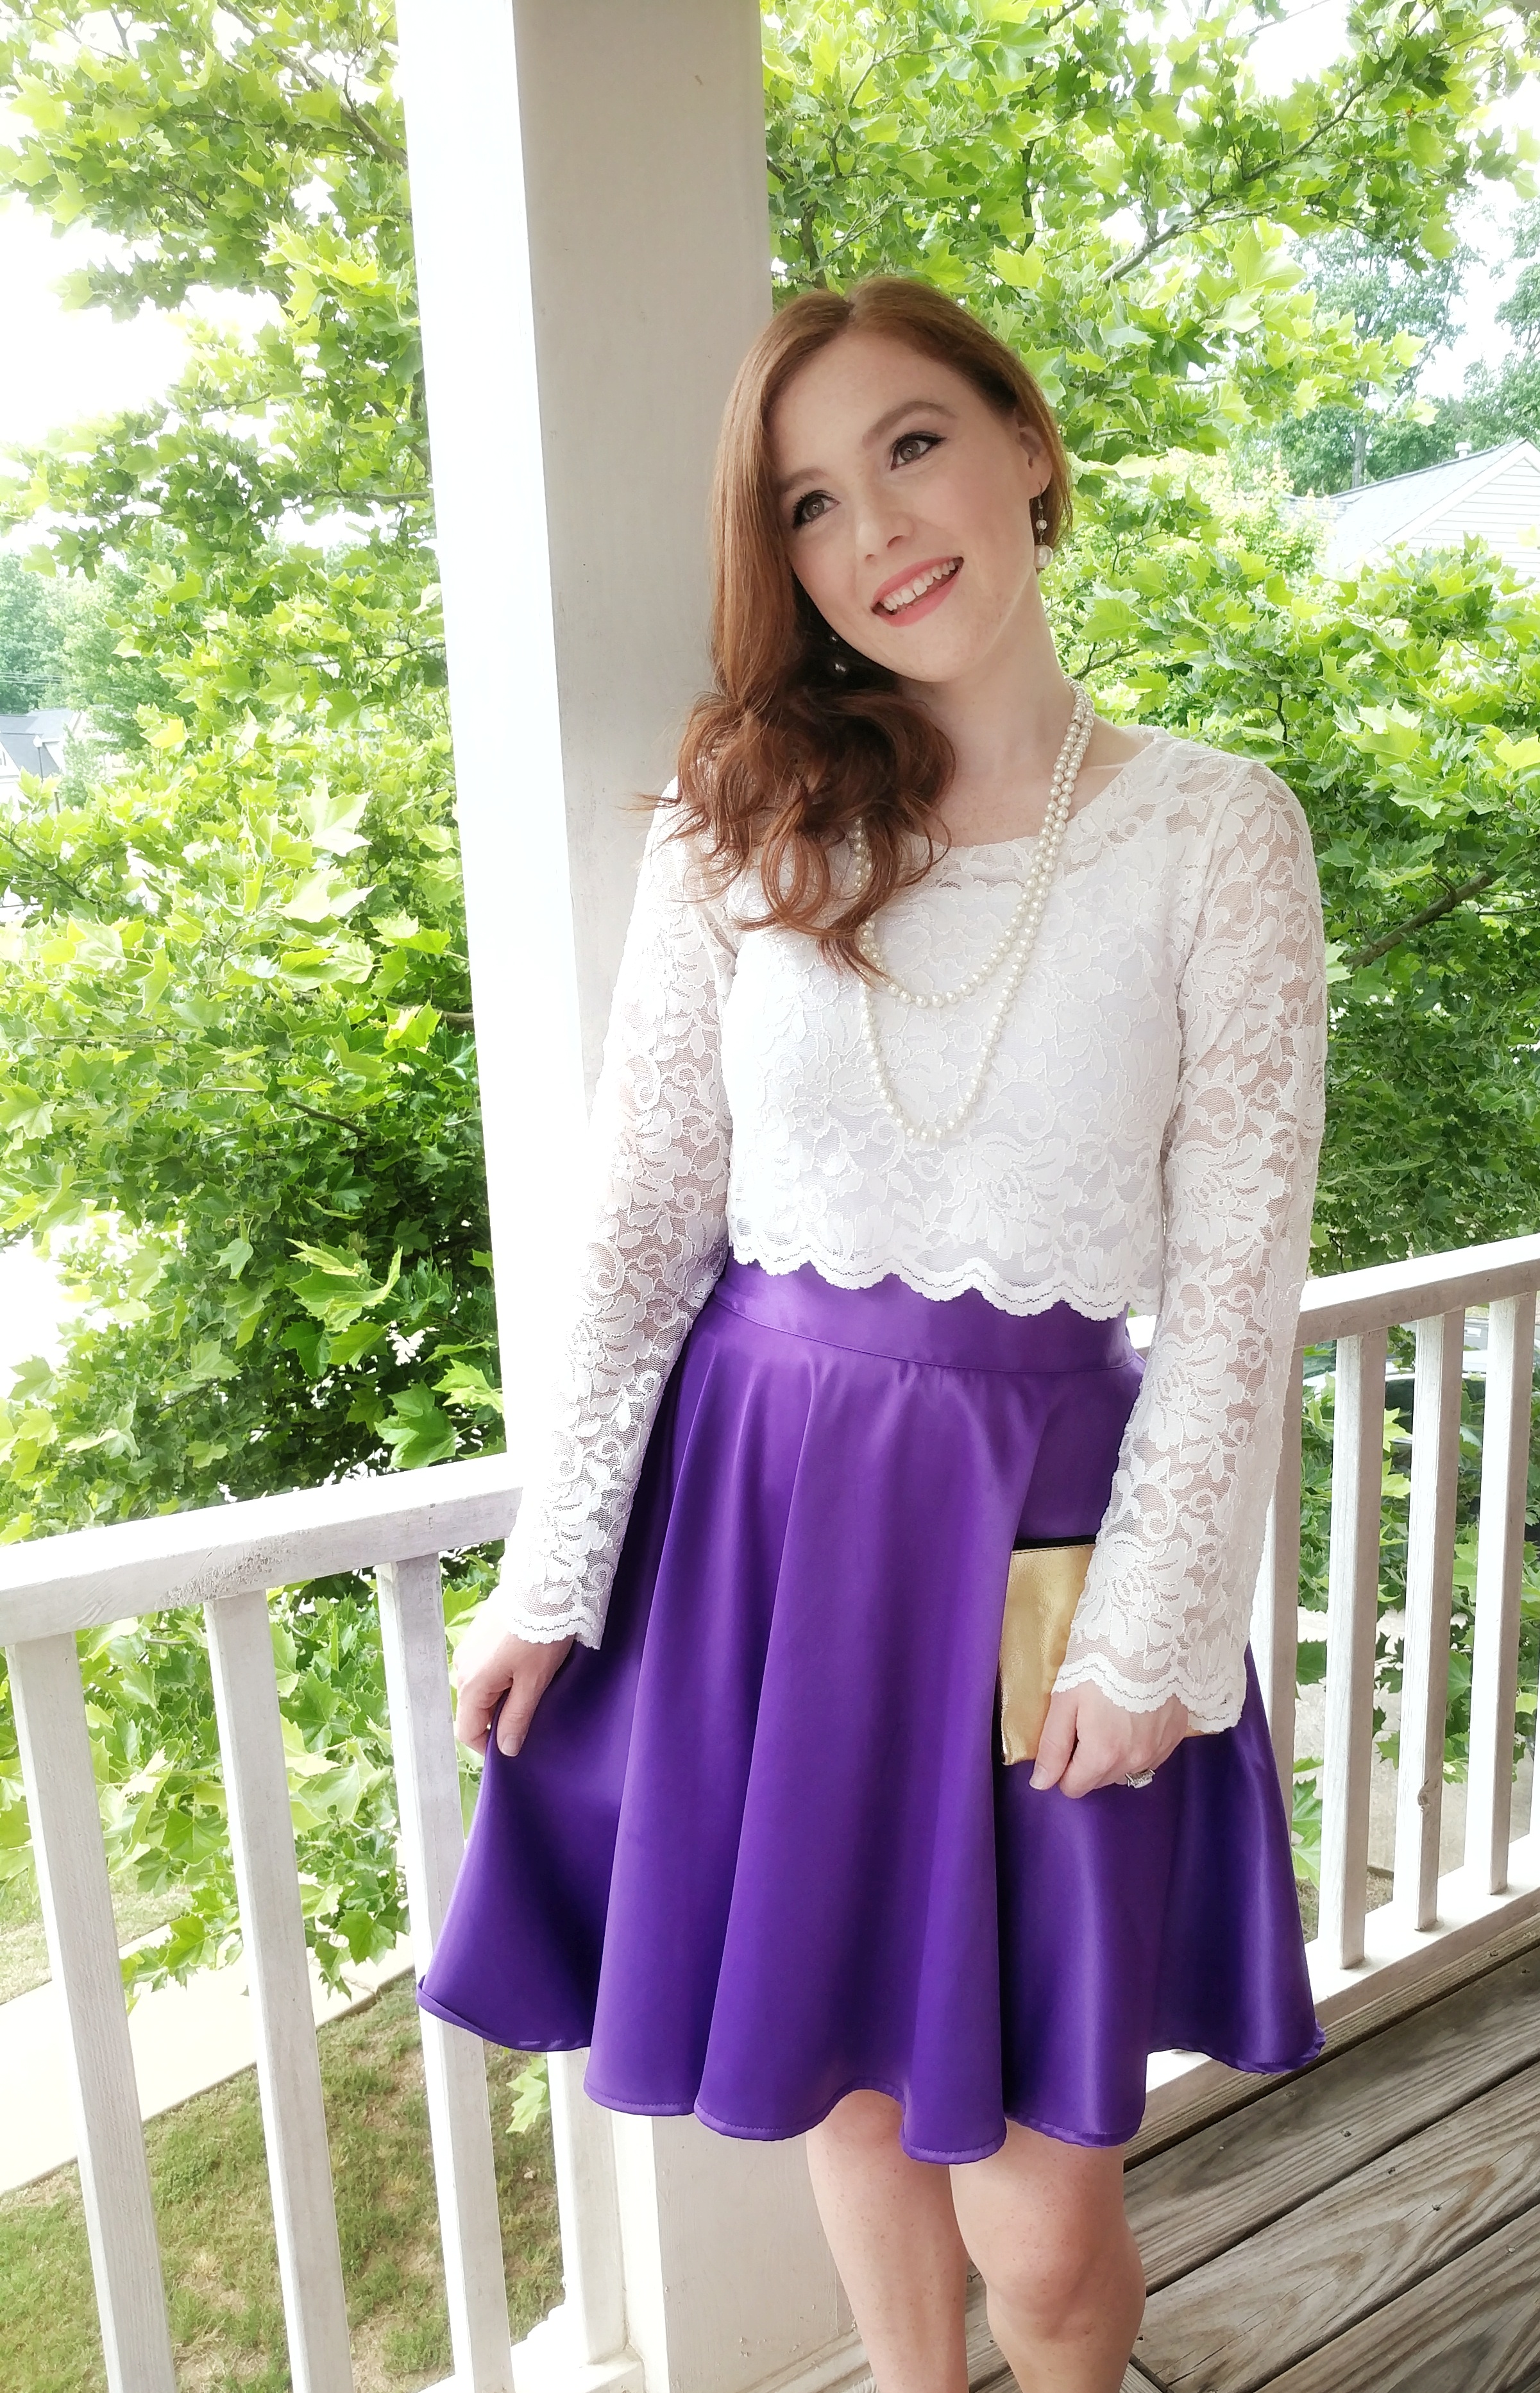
(905, 500)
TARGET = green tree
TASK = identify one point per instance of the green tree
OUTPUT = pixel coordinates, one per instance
(240, 1086)
(1501, 401)
(1123, 205)
(1338, 446)
(33, 631)
(1403, 708)
(240, 1095)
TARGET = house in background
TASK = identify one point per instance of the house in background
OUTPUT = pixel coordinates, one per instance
(34, 743)
(1495, 494)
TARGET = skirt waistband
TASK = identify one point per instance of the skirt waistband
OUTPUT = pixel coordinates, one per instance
(960, 1333)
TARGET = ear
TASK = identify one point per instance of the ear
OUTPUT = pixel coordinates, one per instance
(1032, 449)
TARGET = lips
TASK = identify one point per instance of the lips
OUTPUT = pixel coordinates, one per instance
(907, 591)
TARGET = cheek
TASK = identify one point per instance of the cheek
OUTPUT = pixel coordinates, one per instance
(824, 573)
(987, 516)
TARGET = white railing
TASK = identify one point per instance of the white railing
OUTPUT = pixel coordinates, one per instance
(228, 1558)
(1359, 1956)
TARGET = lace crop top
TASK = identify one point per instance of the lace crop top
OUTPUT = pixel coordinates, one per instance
(1147, 1137)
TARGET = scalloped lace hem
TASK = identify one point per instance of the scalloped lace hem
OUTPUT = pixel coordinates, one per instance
(544, 1627)
(972, 1277)
(1210, 1710)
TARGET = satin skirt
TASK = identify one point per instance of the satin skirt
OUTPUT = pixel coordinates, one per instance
(758, 1849)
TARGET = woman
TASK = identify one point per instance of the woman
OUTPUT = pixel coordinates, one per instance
(952, 1023)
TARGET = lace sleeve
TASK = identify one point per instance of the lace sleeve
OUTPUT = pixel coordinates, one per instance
(1166, 1603)
(655, 1242)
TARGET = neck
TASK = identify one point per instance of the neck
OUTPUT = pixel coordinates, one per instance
(1006, 718)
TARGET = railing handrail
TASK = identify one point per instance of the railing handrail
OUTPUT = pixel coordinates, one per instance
(83, 1577)
(1346, 1304)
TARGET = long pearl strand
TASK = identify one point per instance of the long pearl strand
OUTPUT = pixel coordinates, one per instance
(1014, 949)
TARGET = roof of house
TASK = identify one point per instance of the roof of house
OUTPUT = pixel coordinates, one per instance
(35, 742)
(1495, 493)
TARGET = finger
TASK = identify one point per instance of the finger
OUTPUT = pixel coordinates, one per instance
(1056, 1744)
(1086, 1771)
(513, 1720)
(472, 1715)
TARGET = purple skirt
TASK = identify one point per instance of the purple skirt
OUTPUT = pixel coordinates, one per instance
(758, 1849)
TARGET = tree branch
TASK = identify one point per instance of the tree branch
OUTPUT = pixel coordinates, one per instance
(1403, 931)
(379, 142)
(1225, 209)
(47, 870)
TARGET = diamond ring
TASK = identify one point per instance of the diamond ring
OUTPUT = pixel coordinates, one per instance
(1140, 1778)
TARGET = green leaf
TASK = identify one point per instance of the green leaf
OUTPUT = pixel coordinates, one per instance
(1022, 270)
(340, 1287)
(415, 1430)
(465, 1385)
(324, 898)
(1424, 144)
(332, 817)
(532, 2096)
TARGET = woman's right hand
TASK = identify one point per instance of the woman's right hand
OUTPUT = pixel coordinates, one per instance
(490, 1662)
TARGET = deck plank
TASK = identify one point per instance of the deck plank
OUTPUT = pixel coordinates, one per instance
(1296, 2285)
(1471, 2327)
(1197, 2198)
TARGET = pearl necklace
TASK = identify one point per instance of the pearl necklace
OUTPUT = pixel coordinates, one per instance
(1014, 949)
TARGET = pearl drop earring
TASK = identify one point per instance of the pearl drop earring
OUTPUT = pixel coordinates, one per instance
(1041, 526)
(837, 664)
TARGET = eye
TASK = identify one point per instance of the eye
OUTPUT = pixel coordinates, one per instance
(910, 445)
(809, 507)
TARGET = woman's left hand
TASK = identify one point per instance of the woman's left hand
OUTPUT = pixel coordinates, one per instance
(1089, 1741)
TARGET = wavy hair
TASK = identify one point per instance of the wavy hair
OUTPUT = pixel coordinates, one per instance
(802, 734)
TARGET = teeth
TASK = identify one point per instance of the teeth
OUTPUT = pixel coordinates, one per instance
(916, 589)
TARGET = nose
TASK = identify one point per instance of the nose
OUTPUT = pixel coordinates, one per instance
(880, 523)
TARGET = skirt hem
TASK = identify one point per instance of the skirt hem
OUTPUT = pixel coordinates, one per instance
(507, 2044)
(1088, 2139)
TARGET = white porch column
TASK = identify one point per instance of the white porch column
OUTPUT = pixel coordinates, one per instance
(588, 199)
(593, 259)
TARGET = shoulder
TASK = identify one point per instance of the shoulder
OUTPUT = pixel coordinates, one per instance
(677, 871)
(1221, 800)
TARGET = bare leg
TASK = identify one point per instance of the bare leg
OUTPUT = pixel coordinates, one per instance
(1043, 2222)
(894, 2234)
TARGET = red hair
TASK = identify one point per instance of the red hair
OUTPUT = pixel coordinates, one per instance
(801, 735)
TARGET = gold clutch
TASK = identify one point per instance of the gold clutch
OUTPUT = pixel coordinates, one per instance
(1041, 1592)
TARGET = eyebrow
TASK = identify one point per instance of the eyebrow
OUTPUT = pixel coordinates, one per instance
(883, 424)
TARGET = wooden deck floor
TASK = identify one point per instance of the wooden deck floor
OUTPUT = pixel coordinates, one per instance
(1371, 2226)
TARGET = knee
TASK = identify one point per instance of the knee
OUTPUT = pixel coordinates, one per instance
(1049, 2283)
(862, 2124)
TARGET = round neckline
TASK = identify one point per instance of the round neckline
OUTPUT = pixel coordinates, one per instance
(995, 846)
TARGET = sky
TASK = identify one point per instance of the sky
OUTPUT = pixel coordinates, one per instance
(66, 365)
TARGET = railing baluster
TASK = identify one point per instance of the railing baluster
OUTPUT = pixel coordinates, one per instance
(588, 2200)
(1499, 1567)
(272, 1926)
(1351, 1622)
(412, 1628)
(83, 1954)
(1425, 1639)
(1275, 1607)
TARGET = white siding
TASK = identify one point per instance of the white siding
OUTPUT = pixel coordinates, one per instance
(1501, 512)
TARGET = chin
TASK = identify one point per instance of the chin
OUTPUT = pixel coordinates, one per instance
(933, 664)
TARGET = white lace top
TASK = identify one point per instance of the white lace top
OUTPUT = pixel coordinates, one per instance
(1147, 1137)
